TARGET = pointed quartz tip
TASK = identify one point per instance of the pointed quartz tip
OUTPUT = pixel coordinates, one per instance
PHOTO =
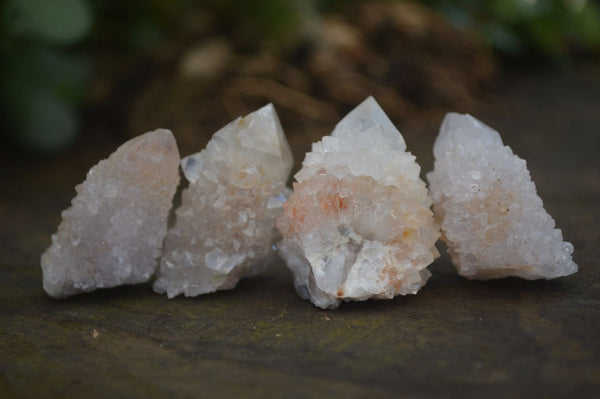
(463, 128)
(267, 132)
(155, 147)
(268, 110)
(366, 116)
(261, 131)
(161, 140)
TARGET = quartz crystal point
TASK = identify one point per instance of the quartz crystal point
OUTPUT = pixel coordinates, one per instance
(358, 224)
(493, 221)
(225, 227)
(112, 234)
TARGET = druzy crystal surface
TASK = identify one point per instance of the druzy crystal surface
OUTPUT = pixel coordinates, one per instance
(492, 218)
(358, 224)
(225, 227)
(112, 234)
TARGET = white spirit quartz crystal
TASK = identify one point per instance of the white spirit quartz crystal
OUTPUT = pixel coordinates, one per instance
(493, 221)
(225, 227)
(358, 224)
(112, 234)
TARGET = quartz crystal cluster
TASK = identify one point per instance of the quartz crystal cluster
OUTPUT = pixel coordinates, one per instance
(113, 232)
(493, 221)
(225, 227)
(358, 224)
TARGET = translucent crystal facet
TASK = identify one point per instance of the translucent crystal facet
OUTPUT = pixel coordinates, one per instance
(225, 227)
(113, 232)
(492, 218)
(358, 224)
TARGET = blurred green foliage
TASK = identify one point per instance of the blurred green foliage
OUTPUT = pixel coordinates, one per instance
(46, 46)
(41, 84)
(522, 29)
(548, 29)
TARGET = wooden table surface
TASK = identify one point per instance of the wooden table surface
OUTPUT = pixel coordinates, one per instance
(504, 338)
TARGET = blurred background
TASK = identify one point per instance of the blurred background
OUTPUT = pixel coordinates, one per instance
(80, 77)
(111, 69)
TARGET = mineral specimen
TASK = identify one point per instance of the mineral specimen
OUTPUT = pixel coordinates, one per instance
(493, 221)
(358, 224)
(113, 232)
(225, 227)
